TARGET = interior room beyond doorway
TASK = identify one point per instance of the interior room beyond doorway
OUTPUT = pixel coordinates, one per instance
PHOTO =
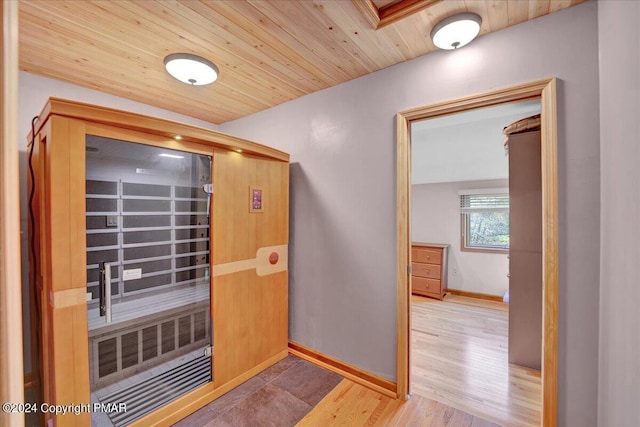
(460, 203)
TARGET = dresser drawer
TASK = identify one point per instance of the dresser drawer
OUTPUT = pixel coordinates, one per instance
(431, 271)
(423, 285)
(427, 255)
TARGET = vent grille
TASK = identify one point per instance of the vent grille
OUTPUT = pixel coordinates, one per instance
(148, 395)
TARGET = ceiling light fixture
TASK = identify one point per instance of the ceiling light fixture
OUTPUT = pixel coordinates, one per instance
(171, 156)
(191, 69)
(456, 31)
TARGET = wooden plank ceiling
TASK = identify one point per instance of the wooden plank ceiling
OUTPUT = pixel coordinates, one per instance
(268, 52)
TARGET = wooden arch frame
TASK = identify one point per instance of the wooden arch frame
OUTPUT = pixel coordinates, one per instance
(545, 90)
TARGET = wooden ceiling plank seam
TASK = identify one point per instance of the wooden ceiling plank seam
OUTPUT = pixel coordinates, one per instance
(498, 14)
(480, 8)
(297, 22)
(315, 10)
(538, 8)
(518, 11)
(330, 39)
(355, 29)
(327, 65)
(235, 11)
(557, 5)
(418, 45)
(92, 23)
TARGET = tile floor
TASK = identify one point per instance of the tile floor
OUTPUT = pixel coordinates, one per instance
(280, 396)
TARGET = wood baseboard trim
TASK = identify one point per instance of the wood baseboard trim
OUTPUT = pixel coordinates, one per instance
(475, 295)
(381, 385)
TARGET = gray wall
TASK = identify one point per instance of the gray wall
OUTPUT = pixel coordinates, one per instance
(619, 375)
(343, 239)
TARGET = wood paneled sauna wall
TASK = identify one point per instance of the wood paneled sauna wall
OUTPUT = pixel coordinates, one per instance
(229, 249)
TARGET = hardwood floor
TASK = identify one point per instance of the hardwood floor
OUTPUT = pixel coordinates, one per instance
(352, 405)
(459, 356)
(460, 378)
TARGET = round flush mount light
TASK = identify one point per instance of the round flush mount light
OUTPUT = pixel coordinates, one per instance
(456, 31)
(191, 69)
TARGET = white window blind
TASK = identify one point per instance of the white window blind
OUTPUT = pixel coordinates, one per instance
(484, 203)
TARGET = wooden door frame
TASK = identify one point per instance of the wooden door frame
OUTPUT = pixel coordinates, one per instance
(11, 362)
(544, 89)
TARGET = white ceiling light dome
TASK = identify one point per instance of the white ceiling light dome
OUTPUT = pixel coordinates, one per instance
(456, 31)
(191, 69)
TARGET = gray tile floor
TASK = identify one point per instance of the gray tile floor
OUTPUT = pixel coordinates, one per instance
(280, 396)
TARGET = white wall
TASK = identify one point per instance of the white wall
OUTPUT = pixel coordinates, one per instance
(465, 146)
(435, 218)
(619, 376)
(33, 92)
(343, 214)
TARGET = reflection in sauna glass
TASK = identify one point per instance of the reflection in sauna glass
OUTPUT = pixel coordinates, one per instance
(147, 275)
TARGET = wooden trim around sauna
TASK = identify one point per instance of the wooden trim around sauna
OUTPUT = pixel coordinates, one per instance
(544, 89)
(385, 387)
(153, 125)
(477, 295)
(11, 364)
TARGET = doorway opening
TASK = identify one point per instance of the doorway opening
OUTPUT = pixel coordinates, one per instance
(545, 90)
(470, 348)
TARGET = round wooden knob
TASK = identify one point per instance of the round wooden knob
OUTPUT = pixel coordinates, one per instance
(273, 258)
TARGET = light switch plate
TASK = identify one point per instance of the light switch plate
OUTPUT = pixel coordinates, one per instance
(134, 273)
(112, 220)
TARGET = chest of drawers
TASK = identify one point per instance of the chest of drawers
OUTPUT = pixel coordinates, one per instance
(429, 269)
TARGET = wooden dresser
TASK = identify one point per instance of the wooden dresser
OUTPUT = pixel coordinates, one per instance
(429, 269)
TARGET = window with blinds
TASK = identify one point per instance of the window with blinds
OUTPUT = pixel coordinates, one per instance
(485, 219)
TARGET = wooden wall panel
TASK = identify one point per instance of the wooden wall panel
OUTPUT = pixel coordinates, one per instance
(11, 365)
(59, 202)
(252, 325)
(253, 310)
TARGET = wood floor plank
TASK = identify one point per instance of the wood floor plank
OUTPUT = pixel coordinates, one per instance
(460, 358)
(353, 405)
